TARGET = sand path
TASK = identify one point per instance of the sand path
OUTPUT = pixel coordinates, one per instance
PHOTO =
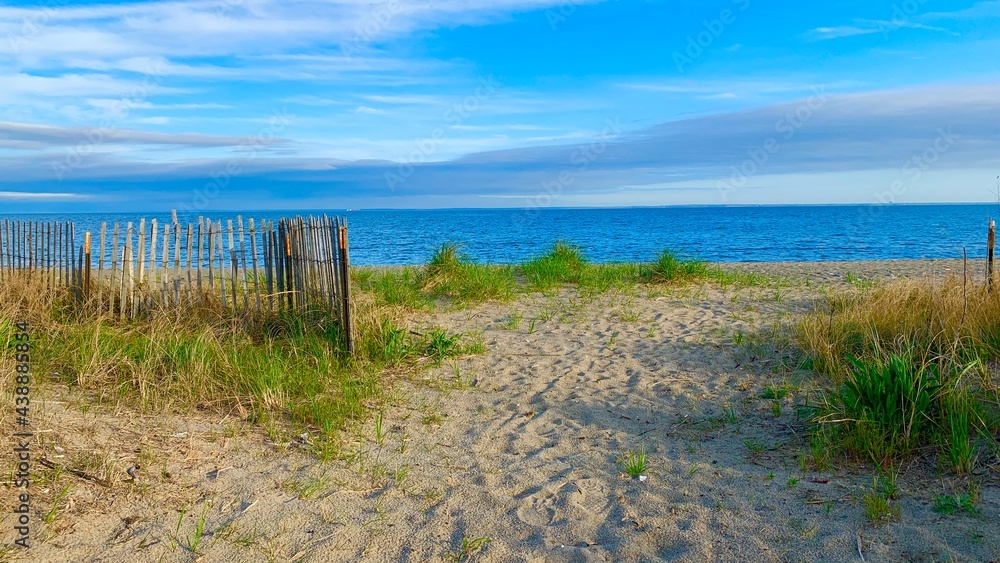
(520, 446)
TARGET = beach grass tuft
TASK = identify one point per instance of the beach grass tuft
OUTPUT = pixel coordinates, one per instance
(285, 367)
(634, 462)
(909, 367)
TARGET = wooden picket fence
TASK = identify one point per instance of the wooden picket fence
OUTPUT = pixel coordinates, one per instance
(299, 263)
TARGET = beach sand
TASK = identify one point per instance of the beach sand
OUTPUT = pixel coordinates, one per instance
(520, 445)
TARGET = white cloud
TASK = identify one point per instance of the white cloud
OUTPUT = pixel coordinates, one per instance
(368, 110)
(412, 99)
(312, 101)
(870, 27)
(28, 196)
(836, 32)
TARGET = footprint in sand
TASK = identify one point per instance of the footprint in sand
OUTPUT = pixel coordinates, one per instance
(537, 510)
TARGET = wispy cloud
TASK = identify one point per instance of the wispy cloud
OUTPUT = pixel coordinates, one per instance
(307, 100)
(50, 136)
(979, 10)
(368, 110)
(870, 27)
(405, 99)
(36, 196)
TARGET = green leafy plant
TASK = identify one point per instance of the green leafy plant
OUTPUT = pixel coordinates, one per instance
(442, 344)
(959, 502)
(468, 549)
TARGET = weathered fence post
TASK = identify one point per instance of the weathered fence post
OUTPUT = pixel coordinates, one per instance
(86, 264)
(345, 264)
(990, 241)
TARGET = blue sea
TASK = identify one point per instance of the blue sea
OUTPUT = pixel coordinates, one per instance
(721, 234)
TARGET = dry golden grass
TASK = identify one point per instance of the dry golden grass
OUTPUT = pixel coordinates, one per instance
(287, 366)
(948, 321)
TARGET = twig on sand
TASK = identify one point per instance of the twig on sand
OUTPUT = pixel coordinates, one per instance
(862, 555)
(80, 474)
(533, 355)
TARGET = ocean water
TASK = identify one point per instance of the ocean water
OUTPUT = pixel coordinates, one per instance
(721, 234)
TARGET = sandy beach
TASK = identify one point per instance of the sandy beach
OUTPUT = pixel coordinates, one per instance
(513, 455)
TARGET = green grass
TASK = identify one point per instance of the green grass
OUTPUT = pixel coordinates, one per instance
(668, 267)
(563, 264)
(634, 463)
(468, 549)
(908, 363)
(450, 277)
(450, 274)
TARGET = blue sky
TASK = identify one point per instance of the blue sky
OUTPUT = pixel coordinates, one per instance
(263, 104)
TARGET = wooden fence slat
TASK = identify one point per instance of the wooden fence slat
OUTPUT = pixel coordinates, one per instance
(100, 264)
(3, 250)
(114, 267)
(86, 265)
(200, 243)
(345, 263)
(190, 242)
(153, 278)
(253, 263)
(211, 257)
(243, 264)
(141, 251)
(268, 235)
(176, 276)
(165, 282)
(128, 297)
(280, 256)
(4, 234)
(222, 262)
(141, 271)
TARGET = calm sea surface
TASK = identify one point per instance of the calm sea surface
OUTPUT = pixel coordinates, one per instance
(724, 234)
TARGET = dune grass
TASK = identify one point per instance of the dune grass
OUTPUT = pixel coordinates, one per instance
(286, 368)
(450, 276)
(289, 368)
(910, 366)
